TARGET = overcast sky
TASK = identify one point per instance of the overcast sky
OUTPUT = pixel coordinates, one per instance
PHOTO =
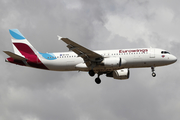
(33, 94)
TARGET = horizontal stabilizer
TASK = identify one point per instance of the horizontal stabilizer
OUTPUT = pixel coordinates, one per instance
(14, 56)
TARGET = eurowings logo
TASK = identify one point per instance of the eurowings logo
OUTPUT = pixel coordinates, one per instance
(163, 56)
(137, 50)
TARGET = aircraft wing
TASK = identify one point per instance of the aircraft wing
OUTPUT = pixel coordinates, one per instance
(14, 56)
(88, 55)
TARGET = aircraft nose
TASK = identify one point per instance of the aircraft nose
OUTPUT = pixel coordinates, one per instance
(174, 59)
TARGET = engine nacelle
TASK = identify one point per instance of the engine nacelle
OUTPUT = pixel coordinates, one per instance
(119, 74)
(113, 62)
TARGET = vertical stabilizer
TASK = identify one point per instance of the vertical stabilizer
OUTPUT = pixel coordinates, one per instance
(21, 45)
(24, 52)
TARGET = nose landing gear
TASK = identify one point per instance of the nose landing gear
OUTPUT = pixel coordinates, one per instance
(153, 73)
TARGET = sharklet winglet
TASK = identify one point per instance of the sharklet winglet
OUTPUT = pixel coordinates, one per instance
(59, 37)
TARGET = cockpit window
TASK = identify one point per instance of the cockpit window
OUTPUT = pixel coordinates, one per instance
(164, 52)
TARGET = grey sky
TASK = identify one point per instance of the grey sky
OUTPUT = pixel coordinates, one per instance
(32, 94)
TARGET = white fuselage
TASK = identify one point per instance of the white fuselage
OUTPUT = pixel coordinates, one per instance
(132, 58)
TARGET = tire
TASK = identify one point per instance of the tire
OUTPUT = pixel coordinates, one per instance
(91, 73)
(154, 74)
(98, 80)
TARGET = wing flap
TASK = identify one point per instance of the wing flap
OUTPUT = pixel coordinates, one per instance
(14, 56)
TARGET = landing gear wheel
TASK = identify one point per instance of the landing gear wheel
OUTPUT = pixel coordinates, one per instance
(98, 80)
(91, 73)
(154, 74)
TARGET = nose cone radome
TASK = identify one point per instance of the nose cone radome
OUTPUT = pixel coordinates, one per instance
(173, 59)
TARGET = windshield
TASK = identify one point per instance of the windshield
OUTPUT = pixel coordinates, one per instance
(164, 52)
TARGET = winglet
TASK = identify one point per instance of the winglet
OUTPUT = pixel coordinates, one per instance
(59, 37)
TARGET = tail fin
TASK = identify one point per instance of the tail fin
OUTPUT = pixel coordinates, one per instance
(21, 45)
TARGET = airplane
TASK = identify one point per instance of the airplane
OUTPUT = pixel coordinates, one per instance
(114, 63)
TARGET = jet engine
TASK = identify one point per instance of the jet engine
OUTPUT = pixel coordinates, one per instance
(119, 74)
(113, 62)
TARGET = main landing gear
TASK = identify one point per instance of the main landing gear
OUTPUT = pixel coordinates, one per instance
(153, 73)
(92, 73)
(98, 80)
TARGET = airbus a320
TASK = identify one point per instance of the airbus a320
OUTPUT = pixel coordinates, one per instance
(113, 63)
